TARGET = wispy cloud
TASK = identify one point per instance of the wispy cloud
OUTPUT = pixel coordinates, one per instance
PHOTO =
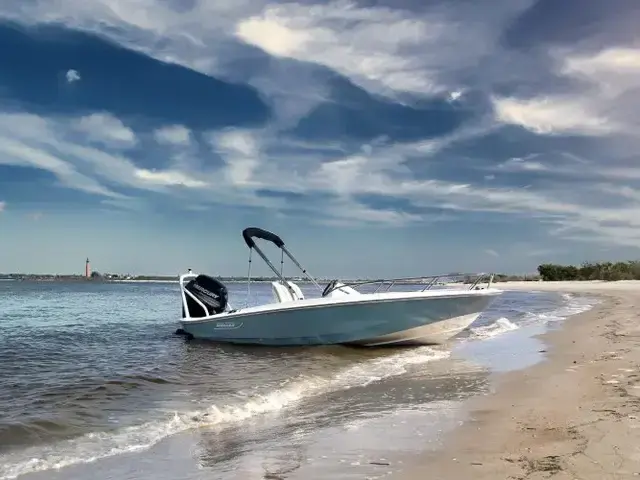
(251, 165)
(548, 115)
(104, 127)
(168, 178)
(3, 206)
(20, 154)
(40, 142)
(421, 52)
(601, 102)
(174, 135)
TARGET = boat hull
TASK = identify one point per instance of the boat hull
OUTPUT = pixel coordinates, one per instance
(433, 333)
(414, 320)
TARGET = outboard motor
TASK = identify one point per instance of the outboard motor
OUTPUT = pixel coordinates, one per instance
(211, 292)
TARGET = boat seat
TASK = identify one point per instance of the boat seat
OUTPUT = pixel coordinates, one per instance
(282, 294)
(341, 290)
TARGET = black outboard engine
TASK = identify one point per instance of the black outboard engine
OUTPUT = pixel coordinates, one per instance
(211, 292)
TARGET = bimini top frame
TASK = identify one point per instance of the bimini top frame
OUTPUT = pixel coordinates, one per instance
(471, 279)
(253, 232)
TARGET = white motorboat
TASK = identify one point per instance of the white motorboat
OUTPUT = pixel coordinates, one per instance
(341, 314)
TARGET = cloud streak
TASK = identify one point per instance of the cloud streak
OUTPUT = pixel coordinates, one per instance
(601, 103)
(105, 128)
(248, 168)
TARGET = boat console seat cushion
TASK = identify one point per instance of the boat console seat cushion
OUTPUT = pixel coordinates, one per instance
(338, 289)
(282, 293)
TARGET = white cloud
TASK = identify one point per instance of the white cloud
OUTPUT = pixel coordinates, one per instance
(104, 127)
(72, 76)
(385, 50)
(33, 141)
(240, 150)
(17, 153)
(523, 164)
(120, 170)
(252, 160)
(273, 37)
(455, 95)
(551, 115)
(348, 213)
(168, 178)
(491, 252)
(3, 206)
(174, 135)
(613, 69)
(382, 49)
(604, 102)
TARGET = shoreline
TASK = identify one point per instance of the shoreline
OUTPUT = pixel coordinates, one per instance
(574, 415)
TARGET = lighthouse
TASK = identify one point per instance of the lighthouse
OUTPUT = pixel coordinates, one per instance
(87, 269)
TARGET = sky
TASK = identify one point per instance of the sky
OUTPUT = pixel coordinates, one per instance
(377, 138)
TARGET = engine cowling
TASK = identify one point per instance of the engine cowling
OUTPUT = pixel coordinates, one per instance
(211, 292)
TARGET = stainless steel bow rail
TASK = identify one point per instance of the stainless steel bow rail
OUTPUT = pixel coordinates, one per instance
(473, 280)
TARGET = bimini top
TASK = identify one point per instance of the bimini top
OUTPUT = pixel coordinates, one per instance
(249, 233)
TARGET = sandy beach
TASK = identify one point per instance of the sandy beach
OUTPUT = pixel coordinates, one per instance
(575, 415)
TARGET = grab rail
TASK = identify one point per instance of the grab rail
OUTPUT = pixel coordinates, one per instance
(184, 298)
(429, 281)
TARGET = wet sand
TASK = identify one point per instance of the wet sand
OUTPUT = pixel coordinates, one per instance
(575, 415)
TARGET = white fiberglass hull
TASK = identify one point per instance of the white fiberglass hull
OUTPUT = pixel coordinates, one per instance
(430, 334)
(430, 317)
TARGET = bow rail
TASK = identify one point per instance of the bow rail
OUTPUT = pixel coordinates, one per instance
(473, 280)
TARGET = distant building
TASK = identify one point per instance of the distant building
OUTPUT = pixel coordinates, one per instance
(87, 269)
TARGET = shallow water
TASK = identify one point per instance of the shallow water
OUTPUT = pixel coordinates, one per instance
(93, 382)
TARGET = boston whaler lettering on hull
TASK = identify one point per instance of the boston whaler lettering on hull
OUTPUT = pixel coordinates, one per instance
(342, 314)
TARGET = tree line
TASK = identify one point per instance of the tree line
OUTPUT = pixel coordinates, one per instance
(608, 271)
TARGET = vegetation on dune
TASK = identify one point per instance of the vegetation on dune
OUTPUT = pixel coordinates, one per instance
(607, 271)
(502, 277)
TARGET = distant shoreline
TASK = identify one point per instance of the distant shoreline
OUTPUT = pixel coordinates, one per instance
(175, 279)
(547, 272)
(130, 280)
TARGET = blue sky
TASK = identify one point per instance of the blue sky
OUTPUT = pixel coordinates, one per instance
(378, 138)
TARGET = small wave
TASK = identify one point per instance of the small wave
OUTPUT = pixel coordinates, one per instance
(19, 434)
(500, 326)
(572, 305)
(93, 446)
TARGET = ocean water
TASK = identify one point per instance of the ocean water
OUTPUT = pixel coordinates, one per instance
(94, 384)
